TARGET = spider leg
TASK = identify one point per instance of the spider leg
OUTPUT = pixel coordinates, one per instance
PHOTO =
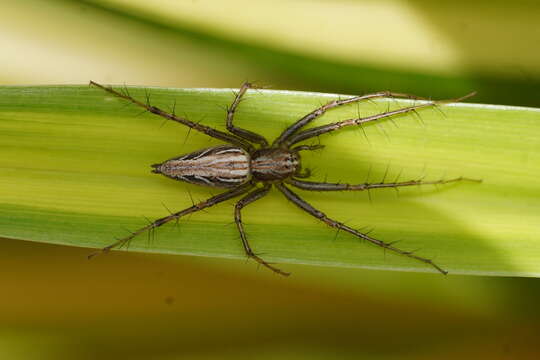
(248, 199)
(307, 147)
(323, 186)
(316, 131)
(287, 133)
(304, 174)
(243, 133)
(174, 216)
(231, 139)
(302, 204)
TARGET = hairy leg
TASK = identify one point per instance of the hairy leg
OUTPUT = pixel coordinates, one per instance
(302, 204)
(243, 133)
(285, 135)
(231, 139)
(316, 131)
(322, 186)
(162, 221)
(248, 199)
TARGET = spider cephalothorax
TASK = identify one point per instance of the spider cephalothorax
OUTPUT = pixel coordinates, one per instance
(275, 164)
(249, 159)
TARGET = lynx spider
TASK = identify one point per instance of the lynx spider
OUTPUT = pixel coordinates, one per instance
(248, 159)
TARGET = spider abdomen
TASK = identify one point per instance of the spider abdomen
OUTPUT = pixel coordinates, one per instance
(274, 164)
(221, 166)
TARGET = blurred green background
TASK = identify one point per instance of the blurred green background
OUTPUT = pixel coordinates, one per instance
(57, 305)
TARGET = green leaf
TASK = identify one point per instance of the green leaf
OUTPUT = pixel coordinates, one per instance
(76, 171)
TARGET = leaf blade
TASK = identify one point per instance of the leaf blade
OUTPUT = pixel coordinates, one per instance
(76, 172)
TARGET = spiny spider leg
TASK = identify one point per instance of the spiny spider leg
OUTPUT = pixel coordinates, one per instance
(231, 139)
(285, 135)
(307, 147)
(242, 189)
(248, 199)
(302, 204)
(243, 133)
(316, 131)
(323, 186)
(319, 130)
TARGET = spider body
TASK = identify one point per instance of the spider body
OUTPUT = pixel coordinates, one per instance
(248, 161)
(227, 166)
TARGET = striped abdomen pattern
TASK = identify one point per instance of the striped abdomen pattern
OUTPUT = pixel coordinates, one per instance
(222, 166)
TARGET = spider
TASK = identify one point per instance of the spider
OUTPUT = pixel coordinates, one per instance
(248, 159)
